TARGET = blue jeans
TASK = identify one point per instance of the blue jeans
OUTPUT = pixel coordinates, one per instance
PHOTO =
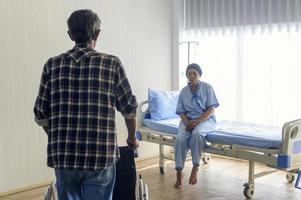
(195, 142)
(85, 185)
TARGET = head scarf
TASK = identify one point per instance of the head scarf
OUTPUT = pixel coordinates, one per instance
(194, 66)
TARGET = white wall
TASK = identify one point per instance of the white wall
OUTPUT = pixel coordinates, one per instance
(138, 31)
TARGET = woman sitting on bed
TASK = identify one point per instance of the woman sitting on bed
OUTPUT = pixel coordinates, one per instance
(196, 105)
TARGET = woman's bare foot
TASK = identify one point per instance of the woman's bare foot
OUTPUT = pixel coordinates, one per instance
(194, 175)
(178, 184)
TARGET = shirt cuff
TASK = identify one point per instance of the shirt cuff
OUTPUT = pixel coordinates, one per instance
(41, 122)
(214, 105)
(180, 113)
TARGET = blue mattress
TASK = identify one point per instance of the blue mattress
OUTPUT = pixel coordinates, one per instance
(166, 125)
(229, 132)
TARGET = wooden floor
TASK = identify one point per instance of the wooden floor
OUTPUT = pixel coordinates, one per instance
(219, 180)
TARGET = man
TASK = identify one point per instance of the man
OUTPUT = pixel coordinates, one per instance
(78, 93)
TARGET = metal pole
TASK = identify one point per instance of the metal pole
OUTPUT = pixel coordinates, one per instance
(188, 49)
(188, 43)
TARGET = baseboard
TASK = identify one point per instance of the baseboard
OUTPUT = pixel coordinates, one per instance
(24, 189)
(146, 158)
(45, 184)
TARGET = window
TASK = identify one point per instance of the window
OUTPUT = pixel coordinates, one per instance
(255, 73)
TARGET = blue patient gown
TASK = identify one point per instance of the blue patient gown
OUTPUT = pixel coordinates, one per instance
(194, 105)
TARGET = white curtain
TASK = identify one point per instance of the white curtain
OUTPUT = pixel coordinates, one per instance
(203, 14)
(249, 51)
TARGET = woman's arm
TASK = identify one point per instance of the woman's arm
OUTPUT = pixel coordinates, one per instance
(188, 123)
(191, 124)
(206, 115)
(184, 119)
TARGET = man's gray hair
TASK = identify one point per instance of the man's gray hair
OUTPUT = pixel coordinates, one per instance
(83, 25)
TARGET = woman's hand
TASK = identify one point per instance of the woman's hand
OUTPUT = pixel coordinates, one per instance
(190, 124)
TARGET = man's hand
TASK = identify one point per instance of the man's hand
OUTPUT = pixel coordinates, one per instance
(132, 143)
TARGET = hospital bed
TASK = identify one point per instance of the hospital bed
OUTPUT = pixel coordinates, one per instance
(276, 147)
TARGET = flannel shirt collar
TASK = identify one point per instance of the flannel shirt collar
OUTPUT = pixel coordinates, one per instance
(80, 45)
(80, 51)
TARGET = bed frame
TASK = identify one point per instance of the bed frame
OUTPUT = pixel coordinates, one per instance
(287, 157)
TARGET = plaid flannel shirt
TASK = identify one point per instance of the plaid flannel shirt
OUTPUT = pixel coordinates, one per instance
(78, 93)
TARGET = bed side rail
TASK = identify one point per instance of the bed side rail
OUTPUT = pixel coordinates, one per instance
(142, 113)
(290, 156)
